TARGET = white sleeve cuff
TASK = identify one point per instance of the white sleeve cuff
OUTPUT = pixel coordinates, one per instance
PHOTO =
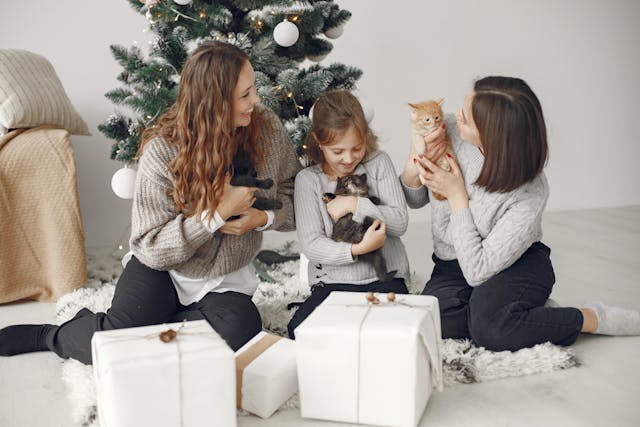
(270, 216)
(213, 224)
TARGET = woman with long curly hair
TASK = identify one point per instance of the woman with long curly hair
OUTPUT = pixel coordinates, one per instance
(194, 235)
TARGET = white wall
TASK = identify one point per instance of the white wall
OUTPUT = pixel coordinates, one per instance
(580, 57)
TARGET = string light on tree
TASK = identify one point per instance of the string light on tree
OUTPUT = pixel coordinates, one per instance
(286, 33)
(123, 182)
(182, 2)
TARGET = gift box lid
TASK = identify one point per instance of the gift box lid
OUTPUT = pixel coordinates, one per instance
(132, 345)
(351, 315)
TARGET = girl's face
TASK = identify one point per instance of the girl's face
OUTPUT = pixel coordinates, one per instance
(466, 126)
(245, 96)
(343, 156)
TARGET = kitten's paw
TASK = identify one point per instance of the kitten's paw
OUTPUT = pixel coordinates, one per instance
(265, 183)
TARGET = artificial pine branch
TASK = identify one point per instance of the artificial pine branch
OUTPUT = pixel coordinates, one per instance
(150, 84)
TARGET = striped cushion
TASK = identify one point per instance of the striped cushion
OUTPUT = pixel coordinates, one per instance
(31, 94)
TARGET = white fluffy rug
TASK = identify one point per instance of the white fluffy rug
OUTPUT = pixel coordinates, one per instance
(463, 362)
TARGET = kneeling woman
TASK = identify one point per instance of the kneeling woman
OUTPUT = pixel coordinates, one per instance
(492, 274)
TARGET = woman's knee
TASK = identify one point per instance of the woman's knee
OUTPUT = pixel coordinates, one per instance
(237, 320)
(496, 331)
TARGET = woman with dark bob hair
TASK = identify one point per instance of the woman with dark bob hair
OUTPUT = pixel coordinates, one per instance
(193, 235)
(492, 274)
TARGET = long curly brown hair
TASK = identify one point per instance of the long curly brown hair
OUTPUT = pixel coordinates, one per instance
(200, 124)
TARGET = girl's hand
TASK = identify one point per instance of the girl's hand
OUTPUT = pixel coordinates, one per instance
(235, 200)
(435, 147)
(341, 205)
(448, 183)
(373, 239)
(249, 220)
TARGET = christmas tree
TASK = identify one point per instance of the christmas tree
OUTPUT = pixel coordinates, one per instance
(278, 35)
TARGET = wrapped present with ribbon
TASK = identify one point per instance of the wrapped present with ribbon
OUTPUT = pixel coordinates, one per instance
(177, 375)
(369, 358)
(266, 374)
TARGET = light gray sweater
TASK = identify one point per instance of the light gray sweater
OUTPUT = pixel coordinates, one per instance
(163, 238)
(495, 230)
(331, 261)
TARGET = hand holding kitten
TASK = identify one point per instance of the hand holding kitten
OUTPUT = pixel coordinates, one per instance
(449, 183)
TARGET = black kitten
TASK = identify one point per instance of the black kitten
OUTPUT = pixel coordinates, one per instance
(350, 231)
(244, 175)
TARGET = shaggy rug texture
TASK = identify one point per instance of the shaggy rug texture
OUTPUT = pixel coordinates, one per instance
(463, 362)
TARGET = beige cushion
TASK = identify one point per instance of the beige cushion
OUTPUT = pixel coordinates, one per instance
(31, 94)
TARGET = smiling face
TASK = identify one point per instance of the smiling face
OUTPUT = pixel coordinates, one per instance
(343, 156)
(466, 125)
(245, 96)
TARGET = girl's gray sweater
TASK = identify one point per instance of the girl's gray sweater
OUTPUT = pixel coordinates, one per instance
(331, 261)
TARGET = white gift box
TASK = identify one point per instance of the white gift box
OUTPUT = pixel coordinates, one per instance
(369, 363)
(143, 381)
(266, 374)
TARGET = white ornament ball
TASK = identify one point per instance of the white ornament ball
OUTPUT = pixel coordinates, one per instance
(369, 112)
(286, 33)
(182, 2)
(335, 32)
(123, 183)
(316, 58)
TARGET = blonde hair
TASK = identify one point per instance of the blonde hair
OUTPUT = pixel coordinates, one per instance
(200, 124)
(334, 112)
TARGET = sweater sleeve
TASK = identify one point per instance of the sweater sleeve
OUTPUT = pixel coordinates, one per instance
(512, 234)
(314, 242)
(161, 237)
(287, 165)
(416, 197)
(393, 210)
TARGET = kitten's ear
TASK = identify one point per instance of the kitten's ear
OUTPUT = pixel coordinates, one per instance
(363, 177)
(414, 110)
(439, 101)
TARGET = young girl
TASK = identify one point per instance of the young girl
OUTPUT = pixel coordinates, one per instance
(341, 144)
(492, 274)
(189, 260)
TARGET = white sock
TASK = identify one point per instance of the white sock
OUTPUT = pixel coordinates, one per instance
(551, 303)
(615, 320)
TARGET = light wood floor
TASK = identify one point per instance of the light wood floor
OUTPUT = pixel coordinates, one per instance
(596, 255)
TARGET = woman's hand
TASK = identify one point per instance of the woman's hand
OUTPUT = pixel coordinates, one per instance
(342, 205)
(235, 200)
(249, 220)
(435, 147)
(373, 239)
(448, 183)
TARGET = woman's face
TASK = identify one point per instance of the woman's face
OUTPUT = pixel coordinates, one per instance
(466, 126)
(343, 156)
(245, 96)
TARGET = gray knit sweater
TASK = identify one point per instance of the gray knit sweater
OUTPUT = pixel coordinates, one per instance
(165, 239)
(330, 261)
(495, 230)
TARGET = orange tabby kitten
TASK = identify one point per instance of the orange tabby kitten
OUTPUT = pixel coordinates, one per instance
(426, 117)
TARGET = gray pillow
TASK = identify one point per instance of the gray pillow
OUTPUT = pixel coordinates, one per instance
(31, 94)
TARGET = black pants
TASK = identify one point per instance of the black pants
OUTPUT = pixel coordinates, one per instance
(507, 311)
(144, 296)
(321, 291)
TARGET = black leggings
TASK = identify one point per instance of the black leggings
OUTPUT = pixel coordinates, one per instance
(321, 291)
(507, 311)
(144, 296)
